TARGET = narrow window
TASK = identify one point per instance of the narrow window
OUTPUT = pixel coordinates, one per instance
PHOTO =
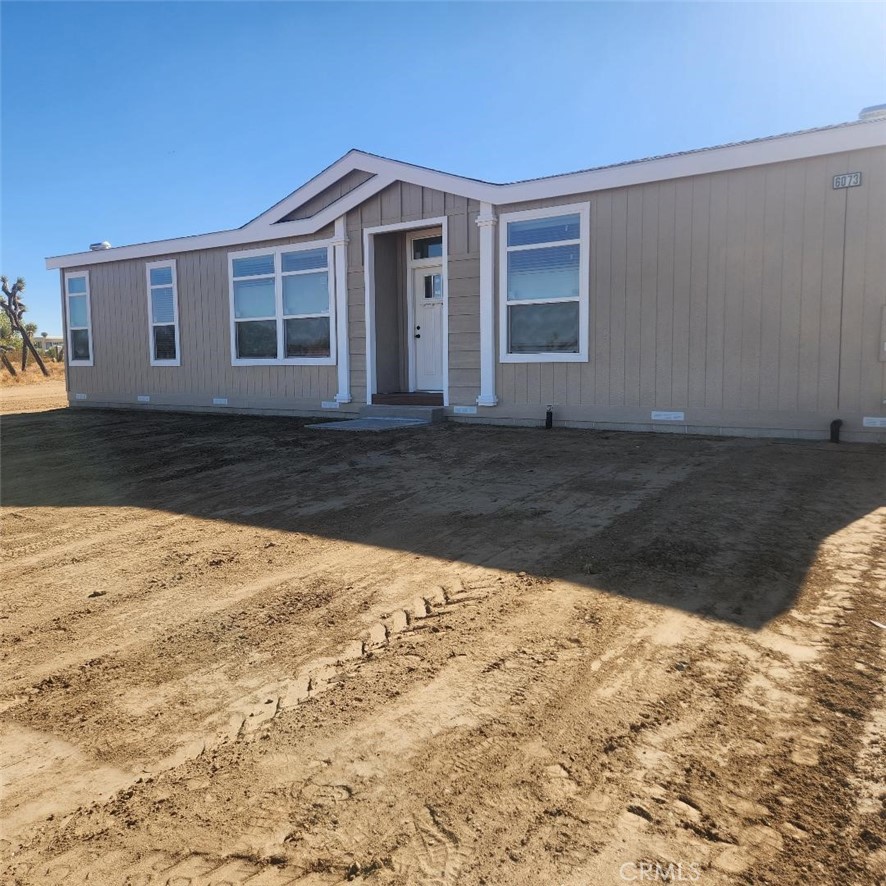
(545, 285)
(306, 303)
(282, 306)
(79, 316)
(255, 311)
(163, 329)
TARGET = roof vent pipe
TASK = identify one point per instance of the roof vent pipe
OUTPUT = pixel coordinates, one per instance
(97, 247)
(874, 112)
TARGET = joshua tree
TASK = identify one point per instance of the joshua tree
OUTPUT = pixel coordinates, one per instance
(31, 330)
(14, 308)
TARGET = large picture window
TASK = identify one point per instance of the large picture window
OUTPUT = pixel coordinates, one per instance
(163, 334)
(79, 317)
(281, 305)
(544, 284)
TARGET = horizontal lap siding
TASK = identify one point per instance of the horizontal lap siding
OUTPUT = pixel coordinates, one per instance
(403, 202)
(725, 293)
(122, 370)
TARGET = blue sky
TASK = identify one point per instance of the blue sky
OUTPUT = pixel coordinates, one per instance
(141, 121)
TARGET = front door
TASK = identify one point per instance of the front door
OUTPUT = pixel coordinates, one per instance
(427, 327)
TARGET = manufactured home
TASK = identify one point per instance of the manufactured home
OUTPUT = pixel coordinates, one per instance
(738, 289)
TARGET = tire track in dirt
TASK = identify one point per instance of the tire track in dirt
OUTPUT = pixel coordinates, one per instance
(232, 719)
(318, 678)
(522, 731)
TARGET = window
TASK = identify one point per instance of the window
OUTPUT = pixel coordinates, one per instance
(281, 304)
(427, 247)
(545, 285)
(79, 316)
(163, 332)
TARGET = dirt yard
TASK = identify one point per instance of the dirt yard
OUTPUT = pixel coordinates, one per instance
(237, 651)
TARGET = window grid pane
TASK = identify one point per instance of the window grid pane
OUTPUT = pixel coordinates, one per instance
(254, 266)
(77, 313)
(162, 308)
(254, 298)
(543, 329)
(79, 344)
(427, 247)
(305, 260)
(306, 294)
(161, 276)
(257, 339)
(307, 337)
(544, 273)
(544, 230)
(164, 342)
(76, 285)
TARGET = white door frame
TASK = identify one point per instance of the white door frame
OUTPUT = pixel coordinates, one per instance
(413, 264)
(369, 288)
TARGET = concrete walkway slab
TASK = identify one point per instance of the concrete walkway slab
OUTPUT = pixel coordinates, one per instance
(371, 424)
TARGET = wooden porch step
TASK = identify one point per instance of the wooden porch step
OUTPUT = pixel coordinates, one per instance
(408, 398)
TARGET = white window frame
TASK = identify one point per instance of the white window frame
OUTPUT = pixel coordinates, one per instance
(583, 210)
(280, 317)
(70, 351)
(169, 263)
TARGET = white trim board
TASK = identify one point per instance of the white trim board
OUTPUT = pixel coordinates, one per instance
(177, 360)
(369, 292)
(235, 237)
(280, 316)
(583, 211)
(87, 294)
(777, 149)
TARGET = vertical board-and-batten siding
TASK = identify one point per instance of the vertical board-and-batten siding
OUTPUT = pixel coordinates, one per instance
(330, 195)
(122, 370)
(750, 298)
(729, 294)
(404, 202)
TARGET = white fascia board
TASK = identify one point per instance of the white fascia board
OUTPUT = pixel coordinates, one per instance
(310, 189)
(235, 237)
(774, 150)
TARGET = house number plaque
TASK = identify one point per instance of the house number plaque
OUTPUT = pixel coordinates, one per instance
(847, 180)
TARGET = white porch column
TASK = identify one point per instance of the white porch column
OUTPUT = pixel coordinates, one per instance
(342, 350)
(486, 223)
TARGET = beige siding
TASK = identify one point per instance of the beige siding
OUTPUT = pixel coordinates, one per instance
(403, 202)
(122, 370)
(728, 296)
(329, 195)
(750, 299)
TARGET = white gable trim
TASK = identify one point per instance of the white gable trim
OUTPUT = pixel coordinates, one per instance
(773, 150)
(311, 189)
(235, 237)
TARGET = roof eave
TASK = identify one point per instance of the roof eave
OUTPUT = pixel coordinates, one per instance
(795, 146)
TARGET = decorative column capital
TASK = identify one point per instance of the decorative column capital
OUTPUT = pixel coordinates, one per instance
(486, 221)
(339, 241)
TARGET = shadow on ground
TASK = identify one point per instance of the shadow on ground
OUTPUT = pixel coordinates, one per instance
(725, 528)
